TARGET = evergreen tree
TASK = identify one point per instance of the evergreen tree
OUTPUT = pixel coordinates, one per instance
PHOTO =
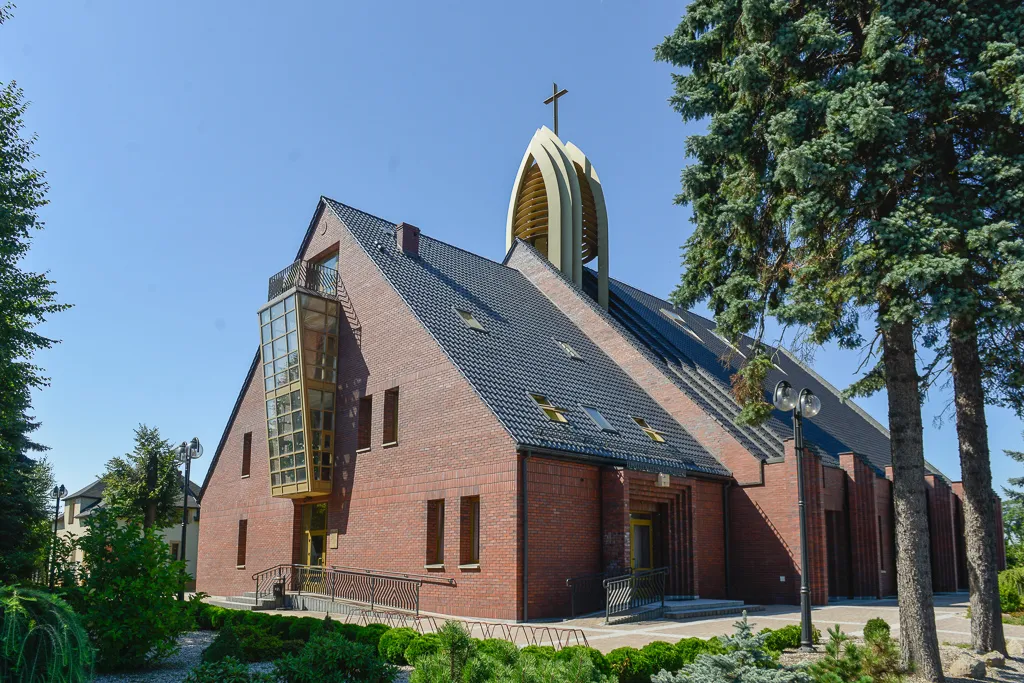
(863, 158)
(144, 484)
(1013, 516)
(26, 299)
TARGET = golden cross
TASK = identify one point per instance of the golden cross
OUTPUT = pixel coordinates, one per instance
(555, 94)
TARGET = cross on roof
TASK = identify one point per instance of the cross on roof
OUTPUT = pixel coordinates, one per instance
(555, 94)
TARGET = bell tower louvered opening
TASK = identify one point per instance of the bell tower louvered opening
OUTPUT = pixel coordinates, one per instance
(530, 222)
(589, 211)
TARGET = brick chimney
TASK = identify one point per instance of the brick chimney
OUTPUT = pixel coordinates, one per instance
(408, 236)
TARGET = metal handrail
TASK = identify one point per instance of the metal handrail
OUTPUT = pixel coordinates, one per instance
(586, 592)
(366, 587)
(636, 589)
(306, 275)
(422, 578)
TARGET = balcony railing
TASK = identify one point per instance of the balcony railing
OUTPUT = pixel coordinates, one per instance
(312, 277)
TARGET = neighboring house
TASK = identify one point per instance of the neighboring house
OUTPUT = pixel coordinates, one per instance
(84, 502)
(416, 408)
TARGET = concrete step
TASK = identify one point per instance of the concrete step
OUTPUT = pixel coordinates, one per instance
(707, 611)
(242, 602)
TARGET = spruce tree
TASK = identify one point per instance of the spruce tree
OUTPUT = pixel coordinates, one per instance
(862, 158)
(26, 299)
(143, 486)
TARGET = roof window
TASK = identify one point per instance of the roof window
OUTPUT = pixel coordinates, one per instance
(730, 344)
(470, 320)
(554, 413)
(569, 351)
(678, 320)
(649, 430)
(598, 419)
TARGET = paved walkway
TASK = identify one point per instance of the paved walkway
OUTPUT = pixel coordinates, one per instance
(950, 616)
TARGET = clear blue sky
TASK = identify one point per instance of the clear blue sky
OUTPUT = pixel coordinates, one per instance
(186, 145)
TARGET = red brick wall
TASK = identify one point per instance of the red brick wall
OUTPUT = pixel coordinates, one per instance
(709, 539)
(887, 541)
(865, 556)
(449, 445)
(564, 531)
(941, 526)
(764, 537)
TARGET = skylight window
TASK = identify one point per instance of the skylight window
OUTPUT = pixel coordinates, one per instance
(678, 320)
(730, 344)
(569, 351)
(649, 430)
(599, 419)
(470, 320)
(554, 413)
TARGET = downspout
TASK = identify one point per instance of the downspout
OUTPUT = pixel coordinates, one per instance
(526, 544)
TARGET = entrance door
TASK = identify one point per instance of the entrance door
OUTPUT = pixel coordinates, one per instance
(314, 527)
(641, 542)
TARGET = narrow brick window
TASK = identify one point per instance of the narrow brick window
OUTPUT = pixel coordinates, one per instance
(469, 532)
(69, 509)
(435, 533)
(246, 453)
(365, 423)
(391, 416)
(243, 530)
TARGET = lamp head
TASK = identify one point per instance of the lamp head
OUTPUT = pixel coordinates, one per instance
(784, 397)
(195, 447)
(810, 405)
(59, 492)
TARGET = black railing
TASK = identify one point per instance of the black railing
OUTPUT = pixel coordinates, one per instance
(374, 589)
(306, 275)
(630, 591)
(586, 594)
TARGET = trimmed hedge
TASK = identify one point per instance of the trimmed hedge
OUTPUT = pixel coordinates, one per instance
(422, 645)
(393, 643)
(570, 653)
(876, 629)
(545, 652)
(662, 656)
(630, 665)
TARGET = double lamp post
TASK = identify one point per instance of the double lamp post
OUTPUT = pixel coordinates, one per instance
(186, 453)
(802, 404)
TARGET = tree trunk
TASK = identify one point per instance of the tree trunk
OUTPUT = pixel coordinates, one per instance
(152, 467)
(918, 639)
(980, 529)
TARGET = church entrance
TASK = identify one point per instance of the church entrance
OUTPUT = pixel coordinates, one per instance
(641, 541)
(314, 545)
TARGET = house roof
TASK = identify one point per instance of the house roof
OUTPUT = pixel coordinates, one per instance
(96, 488)
(518, 353)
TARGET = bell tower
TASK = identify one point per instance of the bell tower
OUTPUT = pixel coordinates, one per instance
(557, 205)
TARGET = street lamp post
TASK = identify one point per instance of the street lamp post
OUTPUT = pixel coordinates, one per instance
(804, 404)
(58, 492)
(187, 452)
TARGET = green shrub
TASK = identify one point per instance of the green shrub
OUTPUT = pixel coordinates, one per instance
(259, 645)
(127, 597)
(843, 661)
(745, 659)
(691, 648)
(330, 658)
(662, 656)
(41, 638)
(876, 629)
(220, 616)
(539, 651)
(787, 637)
(456, 650)
(226, 644)
(630, 665)
(198, 612)
(421, 646)
(227, 670)
(393, 643)
(279, 626)
(501, 651)
(1011, 586)
(302, 628)
(371, 633)
(570, 653)
(350, 631)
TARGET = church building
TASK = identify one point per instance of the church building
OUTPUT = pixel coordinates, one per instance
(503, 427)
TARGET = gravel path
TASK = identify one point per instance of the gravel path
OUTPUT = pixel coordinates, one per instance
(174, 669)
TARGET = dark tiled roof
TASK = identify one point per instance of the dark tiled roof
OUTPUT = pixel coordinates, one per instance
(96, 488)
(518, 354)
(840, 427)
